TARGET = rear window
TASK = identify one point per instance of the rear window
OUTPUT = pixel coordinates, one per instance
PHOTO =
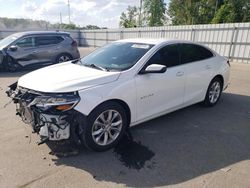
(192, 52)
(48, 40)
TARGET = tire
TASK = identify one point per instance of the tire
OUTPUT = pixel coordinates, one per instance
(96, 134)
(63, 58)
(213, 92)
(11, 66)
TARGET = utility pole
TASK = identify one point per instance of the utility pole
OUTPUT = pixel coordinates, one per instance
(216, 6)
(69, 11)
(60, 18)
(60, 23)
(140, 18)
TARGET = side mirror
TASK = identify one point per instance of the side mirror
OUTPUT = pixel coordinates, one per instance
(154, 68)
(13, 48)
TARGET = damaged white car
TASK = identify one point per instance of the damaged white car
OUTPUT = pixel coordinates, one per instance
(94, 99)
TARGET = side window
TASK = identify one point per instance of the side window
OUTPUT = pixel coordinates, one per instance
(26, 42)
(168, 55)
(48, 40)
(192, 52)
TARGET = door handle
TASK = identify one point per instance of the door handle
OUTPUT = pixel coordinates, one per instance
(34, 52)
(208, 67)
(179, 73)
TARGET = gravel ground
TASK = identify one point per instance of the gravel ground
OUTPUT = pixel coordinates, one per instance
(193, 147)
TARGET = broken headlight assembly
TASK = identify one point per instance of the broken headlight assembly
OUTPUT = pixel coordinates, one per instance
(51, 115)
(57, 103)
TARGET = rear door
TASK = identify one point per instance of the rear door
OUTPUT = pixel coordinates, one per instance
(25, 54)
(161, 92)
(48, 47)
(198, 62)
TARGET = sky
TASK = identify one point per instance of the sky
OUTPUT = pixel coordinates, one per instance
(104, 13)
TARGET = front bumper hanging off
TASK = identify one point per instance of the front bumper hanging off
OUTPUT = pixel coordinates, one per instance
(54, 126)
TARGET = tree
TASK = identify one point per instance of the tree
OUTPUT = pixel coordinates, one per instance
(184, 12)
(155, 12)
(233, 11)
(129, 18)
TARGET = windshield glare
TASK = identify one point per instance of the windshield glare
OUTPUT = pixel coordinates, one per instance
(117, 56)
(6, 41)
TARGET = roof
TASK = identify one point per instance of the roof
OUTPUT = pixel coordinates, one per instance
(20, 34)
(148, 40)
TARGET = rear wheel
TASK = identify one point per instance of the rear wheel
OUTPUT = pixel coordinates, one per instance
(213, 92)
(63, 58)
(105, 127)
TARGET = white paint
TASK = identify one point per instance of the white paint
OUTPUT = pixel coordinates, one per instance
(147, 95)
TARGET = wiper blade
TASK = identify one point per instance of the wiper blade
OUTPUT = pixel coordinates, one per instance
(95, 66)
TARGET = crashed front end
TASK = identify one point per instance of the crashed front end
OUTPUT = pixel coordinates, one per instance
(51, 114)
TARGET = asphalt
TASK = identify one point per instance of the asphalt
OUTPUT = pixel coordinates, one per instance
(192, 147)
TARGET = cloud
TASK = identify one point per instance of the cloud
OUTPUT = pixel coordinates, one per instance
(83, 12)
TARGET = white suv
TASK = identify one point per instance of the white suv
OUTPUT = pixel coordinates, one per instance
(94, 99)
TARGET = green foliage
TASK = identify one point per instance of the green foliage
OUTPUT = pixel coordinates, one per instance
(13, 23)
(233, 11)
(129, 18)
(70, 26)
(155, 12)
(19, 23)
(184, 12)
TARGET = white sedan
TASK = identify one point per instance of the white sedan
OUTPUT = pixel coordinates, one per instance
(94, 99)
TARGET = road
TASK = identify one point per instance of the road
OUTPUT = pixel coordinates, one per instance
(192, 147)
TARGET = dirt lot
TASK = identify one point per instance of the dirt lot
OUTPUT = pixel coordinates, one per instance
(193, 147)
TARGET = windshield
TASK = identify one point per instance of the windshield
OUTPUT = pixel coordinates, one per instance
(117, 56)
(6, 41)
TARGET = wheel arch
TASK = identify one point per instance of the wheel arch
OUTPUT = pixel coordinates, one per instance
(220, 77)
(120, 102)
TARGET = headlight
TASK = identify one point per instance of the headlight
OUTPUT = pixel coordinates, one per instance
(59, 102)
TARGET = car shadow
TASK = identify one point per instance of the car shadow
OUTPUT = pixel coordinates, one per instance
(174, 148)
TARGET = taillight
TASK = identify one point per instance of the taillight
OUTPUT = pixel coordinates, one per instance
(228, 63)
(74, 43)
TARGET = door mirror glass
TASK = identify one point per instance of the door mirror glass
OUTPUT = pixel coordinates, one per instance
(13, 48)
(154, 68)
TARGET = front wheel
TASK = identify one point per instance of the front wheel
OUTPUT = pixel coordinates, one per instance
(213, 92)
(105, 127)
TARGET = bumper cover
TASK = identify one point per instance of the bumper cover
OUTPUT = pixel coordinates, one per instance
(54, 126)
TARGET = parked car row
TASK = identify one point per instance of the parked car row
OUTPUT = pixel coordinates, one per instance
(35, 49)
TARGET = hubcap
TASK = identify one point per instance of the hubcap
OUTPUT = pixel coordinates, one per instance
(63, 58)
(107, 127)
(214, 92)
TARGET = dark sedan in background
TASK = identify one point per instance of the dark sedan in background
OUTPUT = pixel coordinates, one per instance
(36, 48)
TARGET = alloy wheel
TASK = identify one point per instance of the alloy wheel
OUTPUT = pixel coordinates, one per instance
(63, 58)
(214, 92)
(107, 127)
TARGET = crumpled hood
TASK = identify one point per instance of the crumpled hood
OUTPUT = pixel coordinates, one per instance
(65, 77)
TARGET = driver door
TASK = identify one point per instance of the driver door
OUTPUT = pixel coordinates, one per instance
(25, 53)
(161, 92)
